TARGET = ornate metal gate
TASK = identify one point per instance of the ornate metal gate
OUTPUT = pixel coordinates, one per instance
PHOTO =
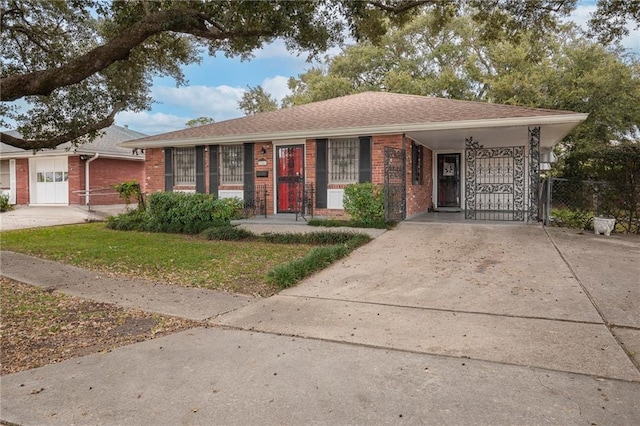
(494, 182)
(395, 203)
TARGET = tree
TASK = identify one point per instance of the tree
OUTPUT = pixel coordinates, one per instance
(256, 100)
(78, 63)
(200, 121)
(559, 70)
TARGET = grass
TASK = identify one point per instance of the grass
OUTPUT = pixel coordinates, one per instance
(39, 327)
(234, 266)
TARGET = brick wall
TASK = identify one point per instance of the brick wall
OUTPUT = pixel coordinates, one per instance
(154, 170)
(419, 196)
(76, 179)
(258, 156)
(105, 172)
(22, 181)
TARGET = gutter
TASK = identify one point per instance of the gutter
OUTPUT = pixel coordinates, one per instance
(86, 178)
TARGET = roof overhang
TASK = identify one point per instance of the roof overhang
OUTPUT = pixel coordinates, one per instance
(563, 123)
(61, 153)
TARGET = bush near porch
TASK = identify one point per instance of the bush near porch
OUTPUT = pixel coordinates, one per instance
(177, 212)
(364, 202)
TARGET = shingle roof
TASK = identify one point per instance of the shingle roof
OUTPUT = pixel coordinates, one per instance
(360, 110)
(107, 144)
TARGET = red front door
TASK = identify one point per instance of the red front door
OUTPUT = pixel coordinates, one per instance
(290, 178)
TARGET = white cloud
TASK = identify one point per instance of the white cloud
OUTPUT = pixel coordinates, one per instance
(151, 123)
(276, 87)
(278, 50)
(219, 102)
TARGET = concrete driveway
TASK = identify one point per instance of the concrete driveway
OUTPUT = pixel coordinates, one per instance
(22, 217)
(490, 292)
(459, 324)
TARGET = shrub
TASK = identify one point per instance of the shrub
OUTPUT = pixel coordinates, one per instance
(320, 257)
(364, 202)
(190, 213)
(4, 203)
(335, 223)
(130, 190)
(227, 233)
(313, 238)
(328, 223)
(134, 220)
(579, 219)
(179, 213)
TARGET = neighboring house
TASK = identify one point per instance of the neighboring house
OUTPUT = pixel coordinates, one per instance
(431, 153)
(60, 176)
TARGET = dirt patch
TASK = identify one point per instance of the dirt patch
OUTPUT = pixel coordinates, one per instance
(39, 327)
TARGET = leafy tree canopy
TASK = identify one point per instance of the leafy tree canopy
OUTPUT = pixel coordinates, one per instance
(560, 70)
(200, 121)
(77, 63)
(256, 100)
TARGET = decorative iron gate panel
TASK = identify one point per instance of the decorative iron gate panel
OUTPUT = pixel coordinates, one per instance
(395, 175)
(494, 182)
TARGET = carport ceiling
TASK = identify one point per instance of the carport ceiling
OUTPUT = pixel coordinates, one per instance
(454, 139)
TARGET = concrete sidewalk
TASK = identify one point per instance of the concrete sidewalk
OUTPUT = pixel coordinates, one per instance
(191, 303)
(427, 324)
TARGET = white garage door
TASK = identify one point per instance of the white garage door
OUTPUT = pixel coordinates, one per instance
(50, 181)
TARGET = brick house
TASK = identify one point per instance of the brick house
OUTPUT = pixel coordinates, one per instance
(60, 176)
(431, 153)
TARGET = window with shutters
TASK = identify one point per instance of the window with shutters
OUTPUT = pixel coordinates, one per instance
(185, 166)
(231, 165)
(343, 160)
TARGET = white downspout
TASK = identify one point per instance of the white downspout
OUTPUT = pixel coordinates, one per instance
(86, 178)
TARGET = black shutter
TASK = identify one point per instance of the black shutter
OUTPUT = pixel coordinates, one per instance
(213, 170)
(168, 169)
(321, 173)
(200, 184)
(249, 183)
(364, 174)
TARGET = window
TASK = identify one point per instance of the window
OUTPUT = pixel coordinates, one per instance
(185, 166)
(417, 163)
(4, 174)
(232, 165)
(343, 160)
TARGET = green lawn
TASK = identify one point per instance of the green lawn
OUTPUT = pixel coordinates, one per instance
(178, 259)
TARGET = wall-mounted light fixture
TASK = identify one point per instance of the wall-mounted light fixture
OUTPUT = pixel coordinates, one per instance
(263, 150)
(84, 157)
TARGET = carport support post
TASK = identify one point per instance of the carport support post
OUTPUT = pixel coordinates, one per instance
(534, 172)
(547, 210)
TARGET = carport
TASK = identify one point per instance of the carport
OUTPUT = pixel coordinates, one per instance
(490, 169)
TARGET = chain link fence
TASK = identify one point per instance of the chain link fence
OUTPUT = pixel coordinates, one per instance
(574, 204)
